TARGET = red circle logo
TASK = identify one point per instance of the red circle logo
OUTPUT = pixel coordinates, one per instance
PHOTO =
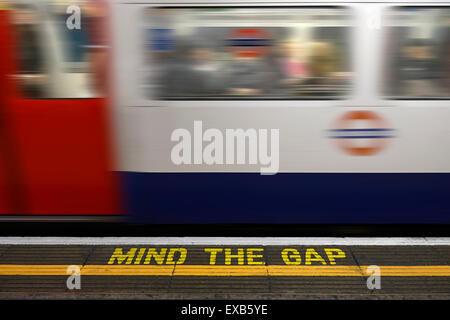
(361, 133)
(248, 42)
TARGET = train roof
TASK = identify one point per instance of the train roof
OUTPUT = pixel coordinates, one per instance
(280, 3)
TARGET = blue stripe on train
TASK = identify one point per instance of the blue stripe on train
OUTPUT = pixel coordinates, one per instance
(175, 198)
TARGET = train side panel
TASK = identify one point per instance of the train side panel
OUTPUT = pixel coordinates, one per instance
(397, 172)
(58, 129)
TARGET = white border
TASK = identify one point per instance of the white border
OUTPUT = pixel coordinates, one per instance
(220, 241)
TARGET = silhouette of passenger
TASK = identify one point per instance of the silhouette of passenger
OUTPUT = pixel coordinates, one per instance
(203, 74)
(293, 68)
(418, 69)
(31, 63)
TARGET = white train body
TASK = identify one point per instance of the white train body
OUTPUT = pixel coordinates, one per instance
(322, 178)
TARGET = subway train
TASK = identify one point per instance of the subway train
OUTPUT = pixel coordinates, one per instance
(226, 112)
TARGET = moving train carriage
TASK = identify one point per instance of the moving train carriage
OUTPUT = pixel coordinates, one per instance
(250, 112)
(56, 156)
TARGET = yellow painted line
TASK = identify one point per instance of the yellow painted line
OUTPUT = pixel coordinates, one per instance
(127, 270)
(226, 271)
(222, 271)
(415, 271)
(33, 270)
(316, 271)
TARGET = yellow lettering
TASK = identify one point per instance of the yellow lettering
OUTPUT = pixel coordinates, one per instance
(212, 254)
(120, 257)
(251, 255)
(317, 257)
(158, 256)
(181, 259)
(331, 256)
(239, 256)
(139, 256)
(288, 254)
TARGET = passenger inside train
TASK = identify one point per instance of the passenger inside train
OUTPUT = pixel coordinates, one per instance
(417, 60)
(245, 56)
(32, 74)
(75, 67)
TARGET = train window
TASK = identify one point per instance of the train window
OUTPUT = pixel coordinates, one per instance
(418, 65)
(53, 60)
(247, 53)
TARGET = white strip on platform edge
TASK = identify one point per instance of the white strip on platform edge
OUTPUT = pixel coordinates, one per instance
(219, 241)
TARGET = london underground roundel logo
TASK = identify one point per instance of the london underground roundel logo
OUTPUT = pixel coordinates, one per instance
(248, 42)
(361, 133)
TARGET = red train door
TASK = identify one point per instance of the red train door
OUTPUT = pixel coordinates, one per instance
(58, 111)
(10, 194)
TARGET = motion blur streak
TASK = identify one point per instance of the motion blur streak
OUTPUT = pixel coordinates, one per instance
(91, 91)
(419, 52)
(55, 132)
(283, 53)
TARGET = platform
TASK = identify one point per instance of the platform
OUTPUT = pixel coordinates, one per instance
(225, 268)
